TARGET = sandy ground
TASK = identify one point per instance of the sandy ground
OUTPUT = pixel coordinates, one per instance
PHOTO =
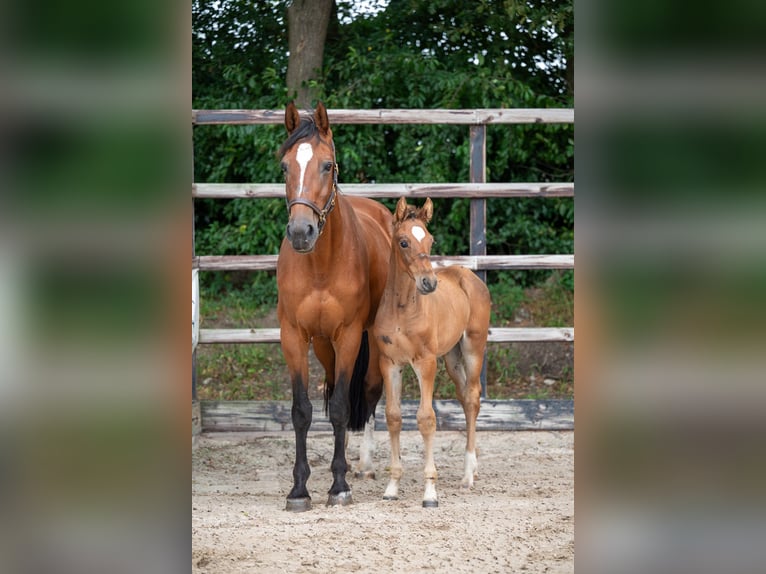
(518, 517)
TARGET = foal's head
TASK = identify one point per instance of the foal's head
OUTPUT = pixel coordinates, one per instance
(412, 243)
(311, 175)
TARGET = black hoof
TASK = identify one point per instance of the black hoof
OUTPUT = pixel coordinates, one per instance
(298, 504)
(390, 498)
(340, 499)
(430, 503)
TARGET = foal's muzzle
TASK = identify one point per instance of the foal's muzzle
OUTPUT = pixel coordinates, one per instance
(426, 285)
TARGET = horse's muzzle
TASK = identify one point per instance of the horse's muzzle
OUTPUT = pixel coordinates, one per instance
(302, 234)
(426, 285)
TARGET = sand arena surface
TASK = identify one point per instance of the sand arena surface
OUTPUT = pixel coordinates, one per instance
(518, 517)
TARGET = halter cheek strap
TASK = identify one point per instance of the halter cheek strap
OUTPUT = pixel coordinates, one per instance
(321, 213)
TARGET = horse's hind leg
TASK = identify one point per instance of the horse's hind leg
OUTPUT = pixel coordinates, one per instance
(373, 390)
(426, 372)
(462, 369)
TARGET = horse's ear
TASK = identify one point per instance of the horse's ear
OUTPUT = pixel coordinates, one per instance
(292, 118)
(320, 119)
(401, 210)
(427, 211)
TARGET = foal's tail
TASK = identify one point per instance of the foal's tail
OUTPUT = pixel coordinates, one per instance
(359, 415)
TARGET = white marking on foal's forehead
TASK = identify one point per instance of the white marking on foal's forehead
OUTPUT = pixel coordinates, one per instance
(303, 156)
(418, 232)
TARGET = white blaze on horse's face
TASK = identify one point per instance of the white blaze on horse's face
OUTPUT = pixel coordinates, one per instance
(303, 156)
(418, 233)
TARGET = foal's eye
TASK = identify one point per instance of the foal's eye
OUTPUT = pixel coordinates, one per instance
(404, 244)
(327, 166)
(283, 165)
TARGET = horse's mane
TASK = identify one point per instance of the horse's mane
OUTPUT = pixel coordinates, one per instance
(306, 129)
(412, 213)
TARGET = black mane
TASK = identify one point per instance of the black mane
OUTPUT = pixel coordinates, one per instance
(306, 129)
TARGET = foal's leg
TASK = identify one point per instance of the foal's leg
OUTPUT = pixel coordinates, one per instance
(392, 377)
(426, 372)
(295, 351)
(456, 369)
(472, 350)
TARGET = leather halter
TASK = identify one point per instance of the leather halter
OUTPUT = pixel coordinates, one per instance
(321, 213)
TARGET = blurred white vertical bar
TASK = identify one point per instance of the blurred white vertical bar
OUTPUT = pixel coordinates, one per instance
(12, 331)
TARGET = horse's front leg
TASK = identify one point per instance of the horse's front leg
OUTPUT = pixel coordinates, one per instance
(392, 377)
(425, 369)
(295, 350)
(346, 350)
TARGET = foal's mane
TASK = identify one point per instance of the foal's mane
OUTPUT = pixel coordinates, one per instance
(411, 213)
(306, 129)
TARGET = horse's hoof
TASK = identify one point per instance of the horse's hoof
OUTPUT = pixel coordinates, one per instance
(298, 504)
(390, 497)
(340, 499)
(365, 474)
(430, 503)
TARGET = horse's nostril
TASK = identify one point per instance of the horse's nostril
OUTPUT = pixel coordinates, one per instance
(309, 230)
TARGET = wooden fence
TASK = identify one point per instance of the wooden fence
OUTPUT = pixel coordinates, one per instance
(476, 189)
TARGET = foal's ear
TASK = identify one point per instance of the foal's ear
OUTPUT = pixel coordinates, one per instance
(320, 119)
(401, 210)
(427, 211)
(292, 118)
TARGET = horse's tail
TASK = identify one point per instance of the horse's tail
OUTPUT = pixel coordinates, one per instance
(359, 415)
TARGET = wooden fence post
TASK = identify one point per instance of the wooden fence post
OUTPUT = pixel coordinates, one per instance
(478, 243)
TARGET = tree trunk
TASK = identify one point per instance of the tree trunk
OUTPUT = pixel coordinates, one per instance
(307, 30)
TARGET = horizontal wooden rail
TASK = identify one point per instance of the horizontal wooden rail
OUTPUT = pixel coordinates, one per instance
(238, 336)
(274, 416)
(474, 262)
(496, 335)
(393, 190)
(393, 116)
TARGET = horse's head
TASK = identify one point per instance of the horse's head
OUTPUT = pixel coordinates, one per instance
(412, 242)
(311, 175)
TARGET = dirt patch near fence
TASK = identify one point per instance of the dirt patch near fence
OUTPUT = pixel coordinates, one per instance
(518, 517)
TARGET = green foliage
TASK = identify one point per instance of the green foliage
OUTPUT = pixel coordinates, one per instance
(412, 54)
(506, 297)
(252, 291)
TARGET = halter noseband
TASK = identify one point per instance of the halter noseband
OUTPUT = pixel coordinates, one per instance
(321, 213)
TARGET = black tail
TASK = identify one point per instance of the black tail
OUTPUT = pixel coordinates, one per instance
(358, 416)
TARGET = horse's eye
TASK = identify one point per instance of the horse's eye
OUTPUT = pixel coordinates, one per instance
(327, 166)
(404, 244)
(283, 165)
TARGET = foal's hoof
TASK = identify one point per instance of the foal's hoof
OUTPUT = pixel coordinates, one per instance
(365, 474)
(340, 499)
(298, 504)
(390, 497)
(430, 503)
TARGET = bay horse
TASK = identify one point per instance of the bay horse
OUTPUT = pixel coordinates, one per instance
(331, 273)
(425, 314)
